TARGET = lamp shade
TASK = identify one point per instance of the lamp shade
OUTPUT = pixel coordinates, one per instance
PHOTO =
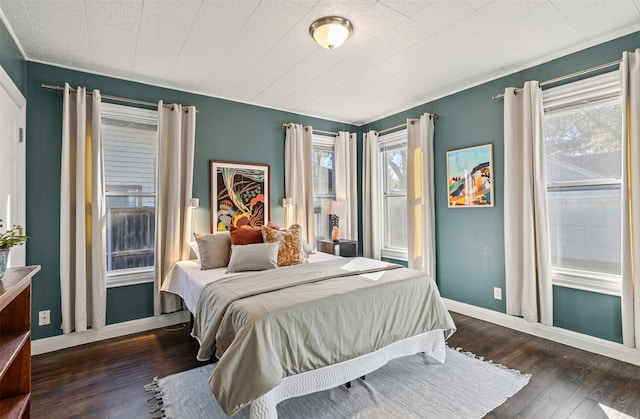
(194, 202)
(287, 202)
(339, 207)
(331, 31)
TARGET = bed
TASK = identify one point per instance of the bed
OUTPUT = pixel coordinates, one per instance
(299, 329)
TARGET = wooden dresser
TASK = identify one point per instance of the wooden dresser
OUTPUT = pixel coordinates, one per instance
(15, 342)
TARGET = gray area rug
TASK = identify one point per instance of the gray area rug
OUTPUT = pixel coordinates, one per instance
(410, 387)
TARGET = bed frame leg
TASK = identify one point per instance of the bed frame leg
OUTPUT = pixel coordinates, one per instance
(348, 384)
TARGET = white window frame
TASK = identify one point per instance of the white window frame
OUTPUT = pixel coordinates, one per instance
(601, 87)
(394, 139)
(325, 141)
(133, 276)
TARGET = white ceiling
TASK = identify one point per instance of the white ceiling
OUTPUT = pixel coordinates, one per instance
(402, 52)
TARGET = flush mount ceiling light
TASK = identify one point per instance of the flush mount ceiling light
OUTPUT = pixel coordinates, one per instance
(331, 31)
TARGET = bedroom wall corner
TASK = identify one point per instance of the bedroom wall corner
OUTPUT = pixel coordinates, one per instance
(11, 59)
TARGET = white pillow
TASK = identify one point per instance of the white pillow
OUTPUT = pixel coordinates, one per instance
(213, 249)
(253, 257)
(305, 247)
(194, 248)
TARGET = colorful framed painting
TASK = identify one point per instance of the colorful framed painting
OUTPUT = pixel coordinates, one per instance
(470, 177)
(239, 195)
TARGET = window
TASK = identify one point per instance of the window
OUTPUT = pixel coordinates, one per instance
(393, 160)
(130, 145)
(323, 183)
(583, 157)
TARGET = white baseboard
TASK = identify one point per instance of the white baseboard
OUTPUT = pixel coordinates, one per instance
(55, 343)
(556, 334)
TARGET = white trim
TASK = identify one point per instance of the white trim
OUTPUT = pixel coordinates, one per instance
(323, 140)
(394, 253)
(401, 108)
(14, 93)
(56, 343)
(130, 113)
(388, 142)
(583, 183)
(593, 89)
(124, 277)
(4, 20)
(576, 95)
(180, 89)
(132, 194)
(601, 283)
(392, 139)
(508, 71)
(11, 88)
(567, 337)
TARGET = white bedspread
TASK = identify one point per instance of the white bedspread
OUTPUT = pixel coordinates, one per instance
(187, 280)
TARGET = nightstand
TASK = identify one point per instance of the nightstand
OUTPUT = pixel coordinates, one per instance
(346, 248)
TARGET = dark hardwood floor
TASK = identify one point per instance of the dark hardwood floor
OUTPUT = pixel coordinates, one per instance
(106, 379)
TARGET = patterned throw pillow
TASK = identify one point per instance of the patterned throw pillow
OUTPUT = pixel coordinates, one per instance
(290, 244)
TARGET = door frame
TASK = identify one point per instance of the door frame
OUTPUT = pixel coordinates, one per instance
(6, 83)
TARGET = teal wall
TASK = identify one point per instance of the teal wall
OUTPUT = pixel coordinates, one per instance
(11, 60)
(129, 303)
(225, 130)
(598, 314)
(470, 242)
(399, 262)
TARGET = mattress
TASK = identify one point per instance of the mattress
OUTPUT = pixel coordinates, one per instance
(187, 280)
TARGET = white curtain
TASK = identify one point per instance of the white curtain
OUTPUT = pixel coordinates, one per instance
(371, 197)
(630, 77)
(298, 177)
(526, 226)
(82, 214)
(346, 175)
(421, 240)
(176, 136)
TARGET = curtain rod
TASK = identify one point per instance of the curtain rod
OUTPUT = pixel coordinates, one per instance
(431, 116)
(567, 76)
(110, 97)
(319, 131)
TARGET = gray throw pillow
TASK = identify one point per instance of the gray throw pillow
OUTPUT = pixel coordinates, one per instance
(253, 257)
(213, 249)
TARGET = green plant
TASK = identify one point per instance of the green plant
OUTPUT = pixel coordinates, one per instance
(11, 237)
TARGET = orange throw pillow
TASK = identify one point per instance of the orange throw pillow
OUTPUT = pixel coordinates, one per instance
(245, 235)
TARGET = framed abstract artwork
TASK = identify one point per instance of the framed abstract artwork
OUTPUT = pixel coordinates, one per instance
(239, 194)
(470, 177)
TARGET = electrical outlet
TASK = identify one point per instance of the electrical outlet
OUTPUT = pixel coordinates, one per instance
(44, 317)
(497, 293)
